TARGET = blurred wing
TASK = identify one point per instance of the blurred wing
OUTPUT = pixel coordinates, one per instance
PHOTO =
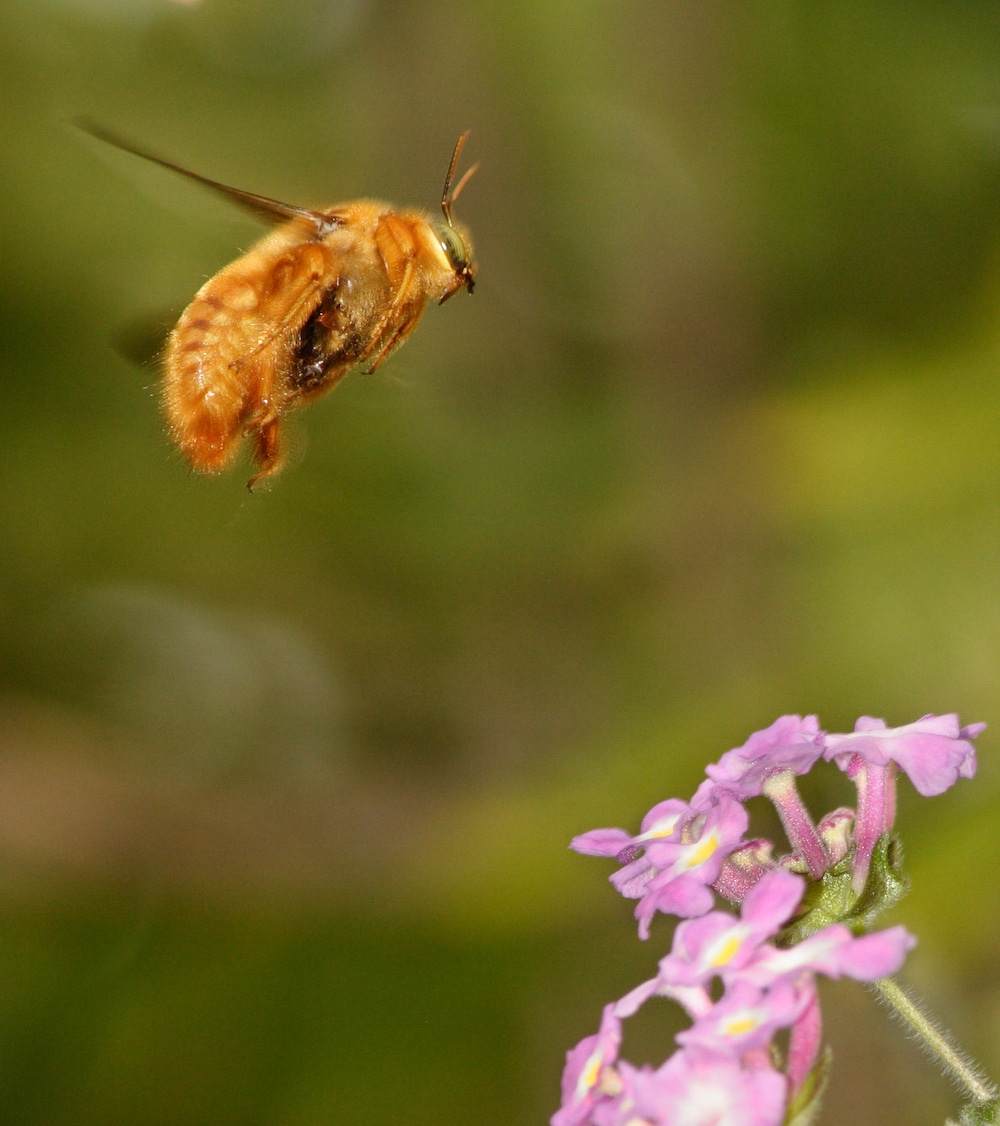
(270, 210)
(143, 339)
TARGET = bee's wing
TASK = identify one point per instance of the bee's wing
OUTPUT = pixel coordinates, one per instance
(270, 210)
(142, 339)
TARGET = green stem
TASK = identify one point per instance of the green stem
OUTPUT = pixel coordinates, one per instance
(937, 1042)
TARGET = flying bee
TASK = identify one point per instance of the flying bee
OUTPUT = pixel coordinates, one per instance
(283, 324)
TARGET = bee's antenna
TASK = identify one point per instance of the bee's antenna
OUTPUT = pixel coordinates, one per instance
(448, 196)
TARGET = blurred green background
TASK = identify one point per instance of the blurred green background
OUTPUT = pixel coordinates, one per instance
(286, 780)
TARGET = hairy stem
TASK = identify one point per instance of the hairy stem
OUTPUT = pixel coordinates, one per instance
(951, 1059)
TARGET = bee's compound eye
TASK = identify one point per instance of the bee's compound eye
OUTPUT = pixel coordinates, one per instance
(454, 248)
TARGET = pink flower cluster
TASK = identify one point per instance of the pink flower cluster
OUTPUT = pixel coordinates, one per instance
(741, 979)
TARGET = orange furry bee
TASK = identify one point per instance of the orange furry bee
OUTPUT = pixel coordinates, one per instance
(325, 291)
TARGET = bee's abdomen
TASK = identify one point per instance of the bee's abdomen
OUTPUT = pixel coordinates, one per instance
(204, 392)
(225, 360)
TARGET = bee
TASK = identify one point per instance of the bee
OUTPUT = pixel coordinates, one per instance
(280, 326)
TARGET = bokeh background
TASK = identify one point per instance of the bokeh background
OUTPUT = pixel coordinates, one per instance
(286, 780)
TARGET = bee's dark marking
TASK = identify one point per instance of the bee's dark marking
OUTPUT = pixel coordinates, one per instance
(314, 355)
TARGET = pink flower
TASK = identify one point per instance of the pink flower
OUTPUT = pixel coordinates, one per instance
(767, 959)
(670, 865)
(686, 867)
(660, 823)
(791, 744)
(745, 1018)
(719, 943)
(586, 1077)
(702, 1089)
(934, 752)
(835, 952)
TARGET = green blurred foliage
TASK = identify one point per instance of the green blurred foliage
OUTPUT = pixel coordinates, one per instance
(286, 779)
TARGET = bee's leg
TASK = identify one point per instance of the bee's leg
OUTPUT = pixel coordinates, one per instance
(266, 450)
(397, 337)
(392, 318)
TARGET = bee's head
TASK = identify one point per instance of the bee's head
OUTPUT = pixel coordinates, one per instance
(455, 241)
(457, 247)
